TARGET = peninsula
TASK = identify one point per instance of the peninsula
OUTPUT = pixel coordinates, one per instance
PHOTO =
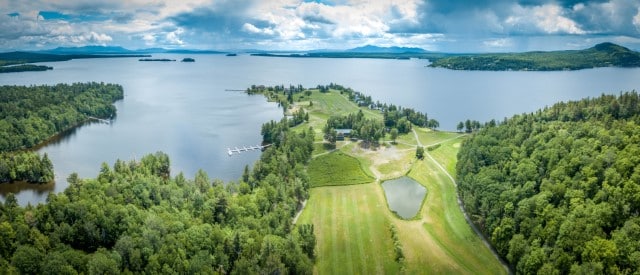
(20, 61)
(601, 55)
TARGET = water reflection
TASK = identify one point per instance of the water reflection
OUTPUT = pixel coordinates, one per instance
(404, 196)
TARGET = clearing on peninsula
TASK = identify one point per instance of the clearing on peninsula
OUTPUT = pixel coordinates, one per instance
(356, 231)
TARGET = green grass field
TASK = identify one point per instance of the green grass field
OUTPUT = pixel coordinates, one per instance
(336, 168)
(352, 230)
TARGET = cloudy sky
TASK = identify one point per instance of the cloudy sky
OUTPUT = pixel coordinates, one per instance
(438, 25)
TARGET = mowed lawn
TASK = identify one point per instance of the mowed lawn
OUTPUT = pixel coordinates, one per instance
(446, 226)
(352, 230)
(336, 168)
(438, 241)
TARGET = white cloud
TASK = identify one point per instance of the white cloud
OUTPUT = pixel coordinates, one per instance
(548, 18)
(174, 37)
(636, 20)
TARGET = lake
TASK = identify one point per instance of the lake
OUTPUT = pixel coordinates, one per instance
(186, 110)
(404, 196)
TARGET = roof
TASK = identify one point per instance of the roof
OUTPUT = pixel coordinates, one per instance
(343, 131)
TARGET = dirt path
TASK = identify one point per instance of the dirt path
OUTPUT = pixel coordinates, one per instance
(295, 218)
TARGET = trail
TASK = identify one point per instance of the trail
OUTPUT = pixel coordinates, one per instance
(295, 218)
(466, 217)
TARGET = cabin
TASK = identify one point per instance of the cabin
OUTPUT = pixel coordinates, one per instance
(343, 133)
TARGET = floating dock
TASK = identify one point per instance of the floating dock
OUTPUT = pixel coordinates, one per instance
(238, 150)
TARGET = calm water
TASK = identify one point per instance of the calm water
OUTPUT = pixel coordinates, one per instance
(404, 196)
(184, 110)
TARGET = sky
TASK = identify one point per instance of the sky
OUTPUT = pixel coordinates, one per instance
(435, 25)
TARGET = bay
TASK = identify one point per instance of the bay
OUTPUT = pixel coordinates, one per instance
(186, 110)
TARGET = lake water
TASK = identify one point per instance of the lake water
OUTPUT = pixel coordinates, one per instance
(184, 110)
(404, 196)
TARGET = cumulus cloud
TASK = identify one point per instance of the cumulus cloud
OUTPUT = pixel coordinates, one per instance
(548, 18)
(301, 24)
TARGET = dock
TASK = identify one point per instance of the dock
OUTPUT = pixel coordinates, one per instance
(100, 120)
(238, 150)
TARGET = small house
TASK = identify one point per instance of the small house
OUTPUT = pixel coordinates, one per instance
(343, 133)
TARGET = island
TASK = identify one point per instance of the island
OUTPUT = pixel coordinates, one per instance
(232, 54)
(601, 55)
(156, 59)
(188, 59)
(24, 68)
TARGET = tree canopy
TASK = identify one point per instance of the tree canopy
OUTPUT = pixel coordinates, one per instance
(30, 115)
(137, 217)
(558, 190)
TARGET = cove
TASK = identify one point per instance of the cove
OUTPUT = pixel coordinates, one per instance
(404, 196)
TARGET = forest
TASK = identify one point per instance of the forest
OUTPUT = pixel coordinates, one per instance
(601, 55)
(137, 217)
(25, 166)
(558, 190)
(30, 115)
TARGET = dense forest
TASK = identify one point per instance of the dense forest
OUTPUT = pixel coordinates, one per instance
(137, 217)
(601, 55)
(558, 190)
(30, 115)
(25, 166)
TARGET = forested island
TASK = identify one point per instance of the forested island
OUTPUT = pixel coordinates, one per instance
(558, 190)
(31, 115)
(157, 59)
(17, 61)
(601, 55)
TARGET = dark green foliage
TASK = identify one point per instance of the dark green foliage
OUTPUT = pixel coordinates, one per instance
(24, 68)
(30, 115)
(558, 190)
(25, 166)
(135, 217)
(420, 152)
(369, 130)
(601, 55)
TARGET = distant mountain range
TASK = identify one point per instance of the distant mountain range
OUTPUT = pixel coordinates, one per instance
(121, 50)
(601, 55)
(376, 49)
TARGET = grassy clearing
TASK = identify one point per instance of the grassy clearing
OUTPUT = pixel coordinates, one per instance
(445, 223)
(352, 230)
(429, 137)
(352, 222)
(447, 153)
(336, 168)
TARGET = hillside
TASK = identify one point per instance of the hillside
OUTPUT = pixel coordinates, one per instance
(601, 55)
(559, 190)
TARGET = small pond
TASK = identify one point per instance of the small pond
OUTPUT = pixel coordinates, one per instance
(404, 196)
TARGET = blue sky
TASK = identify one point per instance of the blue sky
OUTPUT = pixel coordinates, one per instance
(437, 25)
